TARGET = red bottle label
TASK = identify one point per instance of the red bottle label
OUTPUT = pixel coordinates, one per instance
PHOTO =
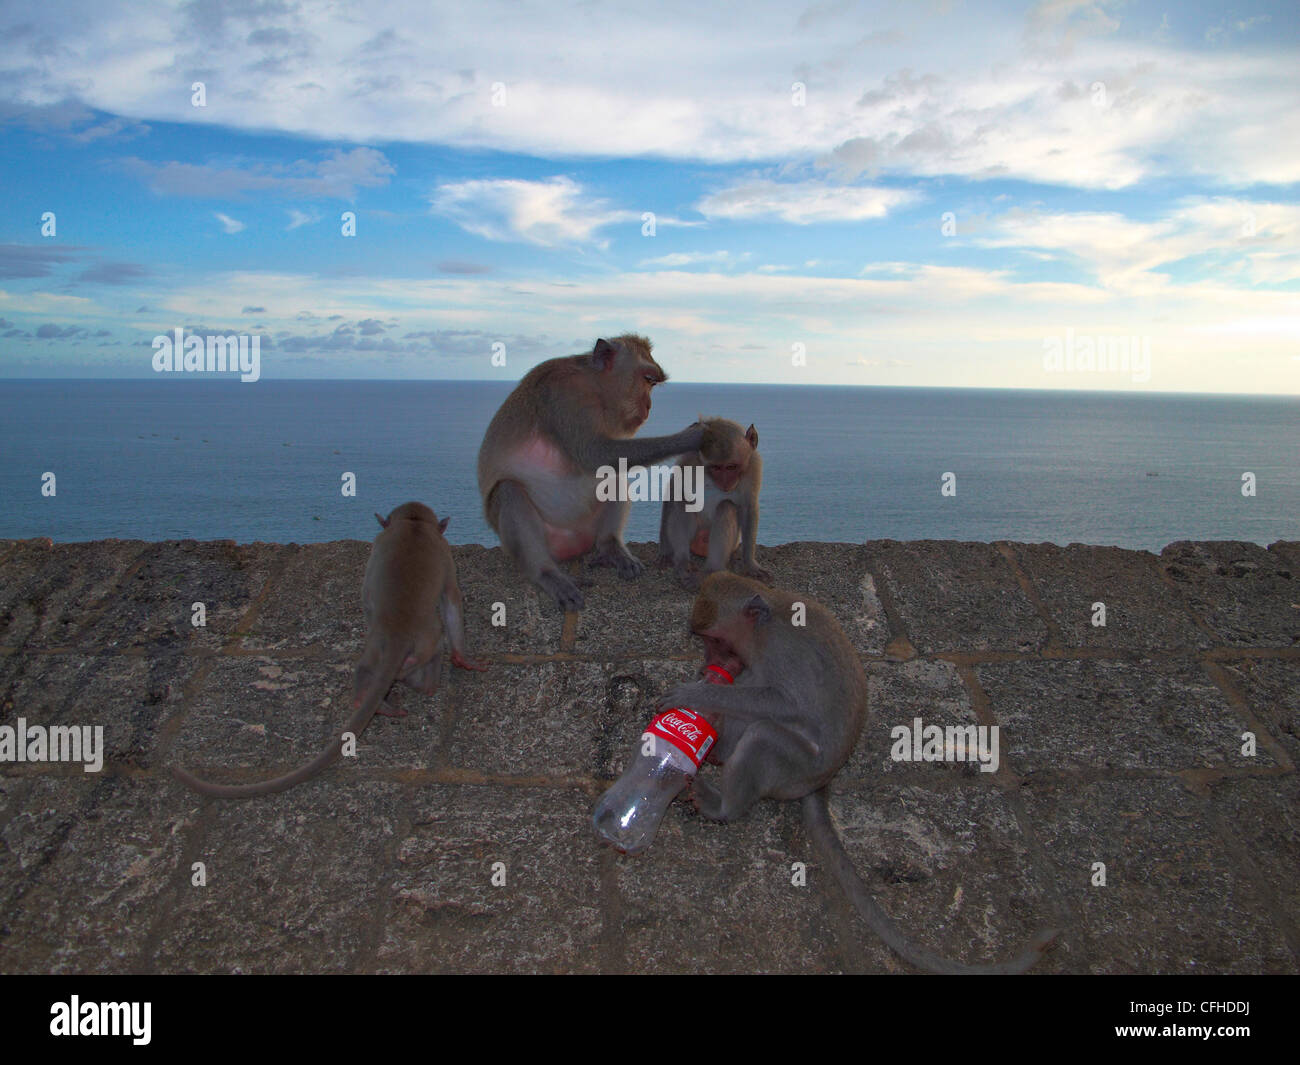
(686, 731)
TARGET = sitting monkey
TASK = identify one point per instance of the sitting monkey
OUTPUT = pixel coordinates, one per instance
(787, 726)
(537, 468)
(733, 474)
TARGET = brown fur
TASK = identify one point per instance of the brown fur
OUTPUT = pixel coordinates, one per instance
(566, 420)
(788, 724)
(413, 611)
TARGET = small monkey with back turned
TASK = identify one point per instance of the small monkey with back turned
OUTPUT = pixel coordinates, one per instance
(786, 727)
(537, 467)
(414, 612)
(733, 474)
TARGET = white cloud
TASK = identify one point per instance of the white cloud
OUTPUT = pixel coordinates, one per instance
(301, 218)
(697, 258)
(802, 203)
(976, 91)
(228, 224)
(958, 325)
(549, 213)
(1248, 241)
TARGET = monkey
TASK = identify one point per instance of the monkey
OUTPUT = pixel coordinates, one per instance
(787, 726)
(537, 467)
(733, 474)
(413, 610)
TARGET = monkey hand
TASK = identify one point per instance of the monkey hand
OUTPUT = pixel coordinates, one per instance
(707, 436)
(613, 553)
(707, 800)
(693, 695)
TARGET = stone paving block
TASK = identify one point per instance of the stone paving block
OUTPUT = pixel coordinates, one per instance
(95, 899)
(835, 575)
(257, 712)
(1241, 590)
(152, 607)
(129, 696)
(292, 881)
(1174, 900)
(898, 693)
(711, 898)
(315, 601)
(1288, 552)
(1141, 611)
(534, 622)
(48, 593)
(36, 814)
(559, 718)
(949, 865)
(1263, 816)
(1094, 714)
(957, 596)
(1271, 687)
(443, 913)
(645, 617)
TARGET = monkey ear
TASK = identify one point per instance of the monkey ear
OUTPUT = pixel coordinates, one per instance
(751, 434)
(603, 354)
(757, 610)
(442, 525)
(382, 521)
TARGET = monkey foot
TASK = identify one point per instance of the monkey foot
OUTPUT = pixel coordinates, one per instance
(387, 709)
(629, 568)
(757, 572)
(565, 591)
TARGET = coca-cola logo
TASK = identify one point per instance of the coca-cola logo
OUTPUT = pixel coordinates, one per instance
(687, 729)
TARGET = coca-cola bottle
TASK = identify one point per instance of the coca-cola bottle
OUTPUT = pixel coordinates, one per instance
(677, 740)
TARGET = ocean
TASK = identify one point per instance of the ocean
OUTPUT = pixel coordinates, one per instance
(161, 460)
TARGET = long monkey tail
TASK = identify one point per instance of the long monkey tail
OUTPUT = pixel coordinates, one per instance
(817, 817)
(365, 702)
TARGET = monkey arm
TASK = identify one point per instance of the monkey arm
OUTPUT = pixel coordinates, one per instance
(599, 451)
(749, 541)
(665, 549)
(748, 705)
(749, 532)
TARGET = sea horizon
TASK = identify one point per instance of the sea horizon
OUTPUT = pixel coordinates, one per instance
(218, 460)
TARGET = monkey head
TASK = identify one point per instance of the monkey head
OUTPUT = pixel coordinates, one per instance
(732, 616)
(413, 512)
(628, 372)
(727, 451)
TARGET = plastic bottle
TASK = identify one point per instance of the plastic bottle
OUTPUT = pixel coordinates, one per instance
(629, 813)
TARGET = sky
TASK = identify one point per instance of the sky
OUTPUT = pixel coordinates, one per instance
(1065, 195)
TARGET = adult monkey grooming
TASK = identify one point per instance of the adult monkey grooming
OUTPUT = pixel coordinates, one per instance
(733, 474)
(787, 726)
(413, 611)
(537, 466)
